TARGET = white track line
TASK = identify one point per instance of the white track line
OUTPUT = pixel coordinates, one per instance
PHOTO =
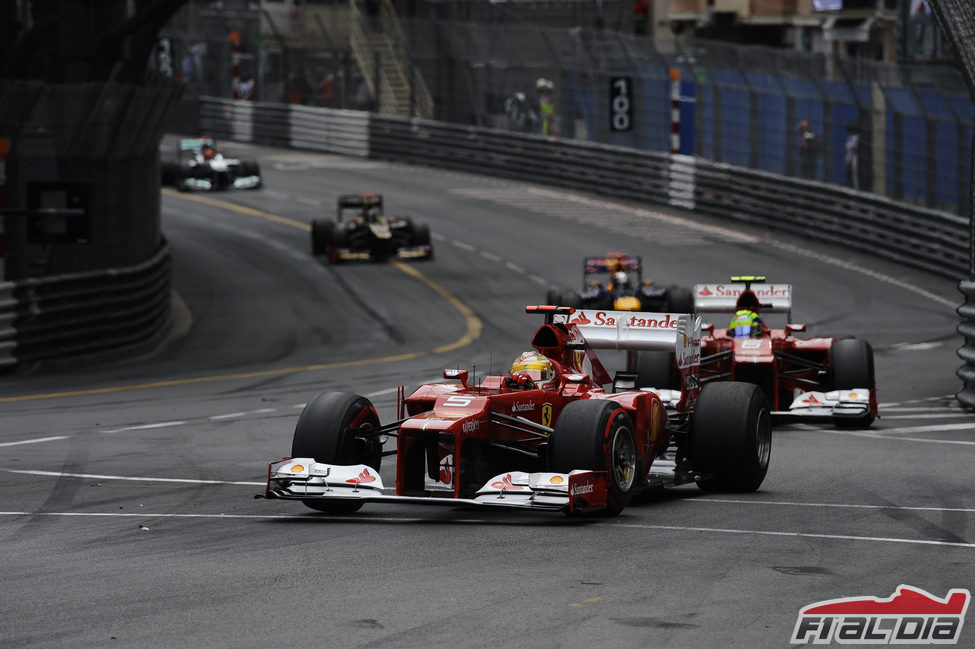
(385, 519)
(34, 441)
(800, 535)
(95, 476)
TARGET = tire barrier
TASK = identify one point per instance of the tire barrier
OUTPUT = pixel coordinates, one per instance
(62, 316)
(966, 396)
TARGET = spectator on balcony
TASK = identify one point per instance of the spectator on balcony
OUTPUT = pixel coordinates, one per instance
(808, 150)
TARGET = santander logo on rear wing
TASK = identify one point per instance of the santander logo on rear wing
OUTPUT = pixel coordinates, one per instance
(722, 298)
(638, 331)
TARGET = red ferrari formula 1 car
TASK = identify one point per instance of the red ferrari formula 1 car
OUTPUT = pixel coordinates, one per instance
(804, 379)
(546, 436)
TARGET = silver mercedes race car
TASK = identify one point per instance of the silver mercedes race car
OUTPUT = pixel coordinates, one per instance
(198, 165)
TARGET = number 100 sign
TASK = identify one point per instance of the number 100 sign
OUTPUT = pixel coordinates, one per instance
(621, 103)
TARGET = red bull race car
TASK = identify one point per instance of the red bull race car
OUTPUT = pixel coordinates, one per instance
(556, 433)
(199, 166)
(369, 234)
(615, 281)
(813, 379)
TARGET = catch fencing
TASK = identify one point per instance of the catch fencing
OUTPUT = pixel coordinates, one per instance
(898, 130)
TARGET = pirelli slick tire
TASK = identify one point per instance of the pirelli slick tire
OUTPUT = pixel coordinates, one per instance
(251, 168)
(656, 369)
(338, 428)
(680, 300)
(597, 435)
(321, 235)
(569, 298)
(731, 437)
(851, 366)
(421, 234)
(169, 172)
(339, 240)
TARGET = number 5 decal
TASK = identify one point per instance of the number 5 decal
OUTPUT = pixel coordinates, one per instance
(458, 400)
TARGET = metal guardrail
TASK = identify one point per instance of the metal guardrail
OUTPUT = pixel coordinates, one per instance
(908, 234)
(67, 315)
(300, 127)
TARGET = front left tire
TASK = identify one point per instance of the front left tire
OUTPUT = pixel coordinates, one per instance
(597, 435)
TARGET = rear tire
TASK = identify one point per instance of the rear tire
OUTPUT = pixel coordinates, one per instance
(731, 437)
(597, 435)
(169, 171)
(321, 235)
(680, 300)
(339, 239)
(421, 235)
(570, 298)
(851, 366)
(327, 431)
(656, 370)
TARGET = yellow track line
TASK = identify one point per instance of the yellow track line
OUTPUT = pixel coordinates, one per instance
(474, 324)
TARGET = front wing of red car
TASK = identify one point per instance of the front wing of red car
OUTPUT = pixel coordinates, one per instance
(306, 479)
(852, 405)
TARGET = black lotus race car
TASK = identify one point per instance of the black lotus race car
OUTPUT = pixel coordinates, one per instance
(369, 234)
(198, 165)
(615, 281)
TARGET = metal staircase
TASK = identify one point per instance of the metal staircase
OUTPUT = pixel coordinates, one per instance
(380, 48)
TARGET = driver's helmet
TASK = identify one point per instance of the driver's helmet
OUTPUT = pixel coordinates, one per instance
(208, 152)
(372, 214)
(745, 323)
(621, 280)
(534, 365)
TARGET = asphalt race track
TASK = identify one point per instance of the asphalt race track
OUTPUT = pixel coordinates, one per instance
(129, 517)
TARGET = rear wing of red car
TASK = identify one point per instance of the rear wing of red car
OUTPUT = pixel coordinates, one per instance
(723, 298)
(679, 333)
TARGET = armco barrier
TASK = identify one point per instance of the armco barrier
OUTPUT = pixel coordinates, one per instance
(68, 315)
(300, 127)
(908, 234)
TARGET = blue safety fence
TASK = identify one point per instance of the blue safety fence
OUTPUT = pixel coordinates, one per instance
(751, 119)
